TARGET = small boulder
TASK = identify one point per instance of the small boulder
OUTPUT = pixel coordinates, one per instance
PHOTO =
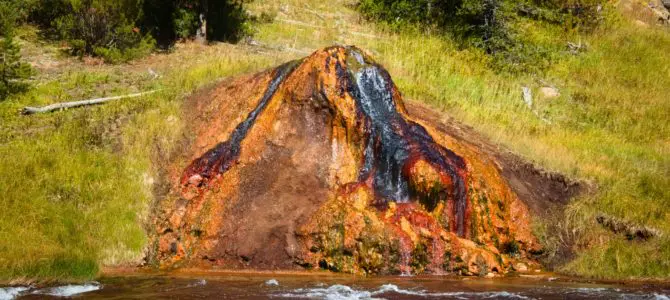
(549, 92)
(272, 282)
(527, 96)
(641, 23)
(521, 267)
(660, 10)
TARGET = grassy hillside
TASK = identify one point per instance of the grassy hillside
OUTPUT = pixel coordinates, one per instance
(76, 185)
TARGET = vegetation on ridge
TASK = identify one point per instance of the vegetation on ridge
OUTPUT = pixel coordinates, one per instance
(76, 184)
(494, 26)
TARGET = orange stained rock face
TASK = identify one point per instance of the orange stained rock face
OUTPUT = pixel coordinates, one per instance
(317, 164)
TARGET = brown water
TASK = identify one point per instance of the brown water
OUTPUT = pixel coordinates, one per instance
(262, 286)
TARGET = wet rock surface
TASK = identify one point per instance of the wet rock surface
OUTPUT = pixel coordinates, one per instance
(319, 164)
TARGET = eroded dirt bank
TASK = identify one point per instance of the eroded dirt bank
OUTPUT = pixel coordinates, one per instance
(320, 164)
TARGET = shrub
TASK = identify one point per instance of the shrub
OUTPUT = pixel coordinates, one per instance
(121, 30)
(114, 55)
(13, 72)
(488, 25)
(159, 20)
(185, 22)
(226, 20)
(104, 28)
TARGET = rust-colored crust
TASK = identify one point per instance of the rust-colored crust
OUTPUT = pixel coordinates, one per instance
(318, 164)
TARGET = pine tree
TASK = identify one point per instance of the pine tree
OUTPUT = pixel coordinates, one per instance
(13, 71)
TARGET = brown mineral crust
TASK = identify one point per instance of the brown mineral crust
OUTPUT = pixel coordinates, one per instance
(318, 164)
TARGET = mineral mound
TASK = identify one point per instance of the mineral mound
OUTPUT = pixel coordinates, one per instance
(318, 164)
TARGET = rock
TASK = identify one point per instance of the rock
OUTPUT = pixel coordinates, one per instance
(195, 179)
(527, 96)
(153, 74)
(641, 23)
(251, 42)
(490, 275)
(407, 228)
(647, 13)
(660, 10)
(630, 230)
(425, 233)
(576, 48)
(481, 262)
(445, 236)
(318, 163)
(548, 92)
(521, 267)
(148, 180)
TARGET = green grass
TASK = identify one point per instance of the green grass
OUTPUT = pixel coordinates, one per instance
(610, 127)
(76, 185)
(618, 130)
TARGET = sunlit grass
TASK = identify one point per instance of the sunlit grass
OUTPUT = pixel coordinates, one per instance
(75, 185)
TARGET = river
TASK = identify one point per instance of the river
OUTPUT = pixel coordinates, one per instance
(327, 286)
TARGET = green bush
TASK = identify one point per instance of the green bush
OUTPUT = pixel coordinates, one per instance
(171, 20)
(227, 20)
(104, 28)
(185, 22)
(584, 15)
(121, 30)
(489, 25)
(115, 55)
(13, 72)
(44, 13)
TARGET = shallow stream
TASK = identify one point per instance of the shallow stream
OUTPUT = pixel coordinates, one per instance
(264, 286)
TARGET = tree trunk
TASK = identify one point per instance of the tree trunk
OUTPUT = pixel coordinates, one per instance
(56, 106)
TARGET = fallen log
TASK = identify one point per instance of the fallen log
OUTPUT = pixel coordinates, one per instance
(56, 106)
